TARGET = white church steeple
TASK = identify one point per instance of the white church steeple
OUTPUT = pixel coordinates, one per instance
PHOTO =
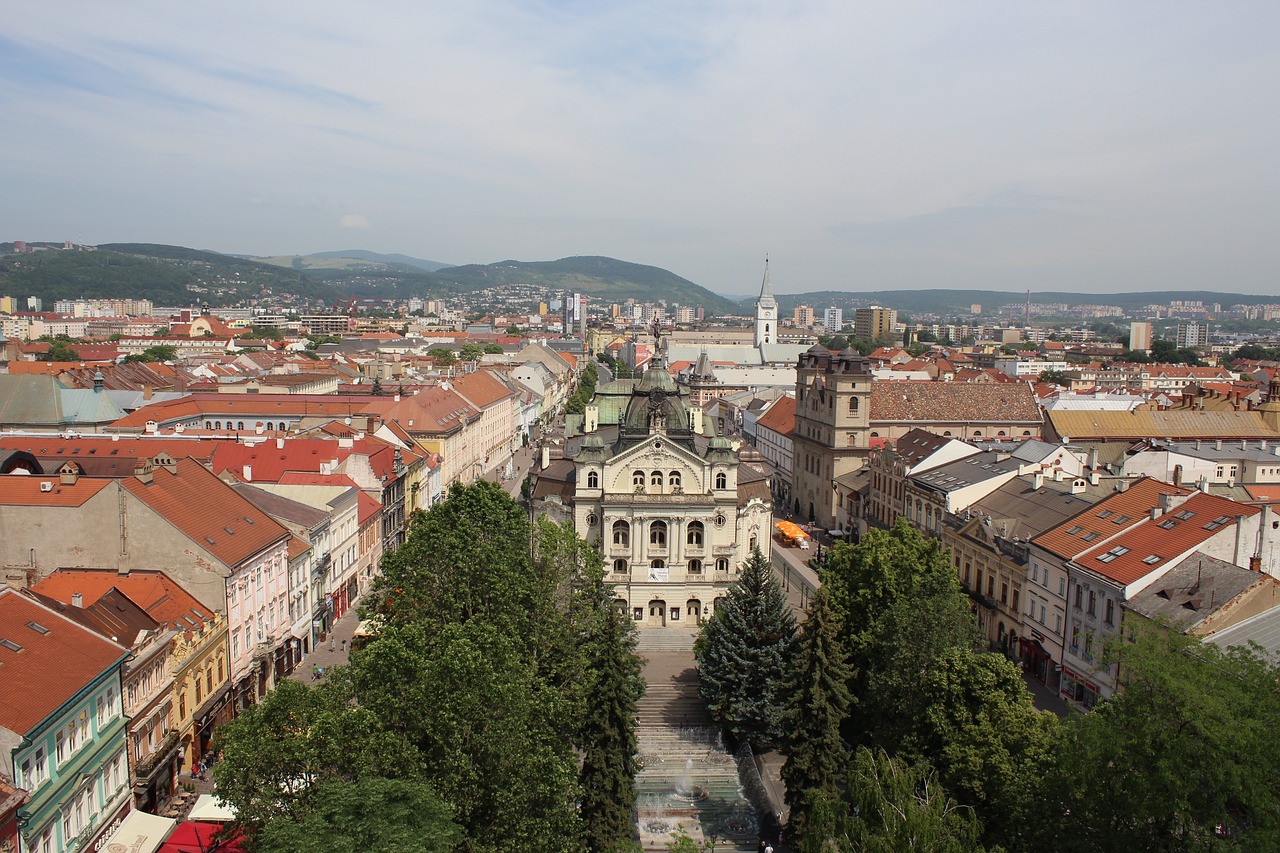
(766, 311)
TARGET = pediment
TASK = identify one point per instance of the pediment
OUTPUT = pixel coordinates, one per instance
(657, 450)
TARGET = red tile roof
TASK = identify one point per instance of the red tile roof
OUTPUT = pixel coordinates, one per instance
(74, 653)
(208, 511)
(482, 388)
(250, 407)
(271, 464)
(159, 595)
(1106, 518)
(101, 456)
(1153, 543)
(19, 490)
(781, 417)
(368, 506)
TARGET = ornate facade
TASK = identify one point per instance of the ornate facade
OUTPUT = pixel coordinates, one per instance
(671, 508)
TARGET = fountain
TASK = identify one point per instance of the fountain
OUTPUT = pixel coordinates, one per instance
(685, 791)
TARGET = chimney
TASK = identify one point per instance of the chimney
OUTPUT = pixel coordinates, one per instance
(546, 456)
(1057, 475)
(1156, 512)
(1239, 558)
(147, 391)
(1177, 475)
(1217, 444)
(279, 444)
(1039, 481)
(1093, 458)
(98, 381)
(248, 474)
(1093, 477)
(77, 600)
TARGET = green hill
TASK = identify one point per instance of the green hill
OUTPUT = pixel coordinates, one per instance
(959, 301)
(167, 275)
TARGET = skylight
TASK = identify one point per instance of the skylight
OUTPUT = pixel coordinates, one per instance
(37, 627)
(1151, 560)
(11, 645)
(1106, 513)
(1074, 529)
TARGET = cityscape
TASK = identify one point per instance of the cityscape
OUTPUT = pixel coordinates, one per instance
(639, 427)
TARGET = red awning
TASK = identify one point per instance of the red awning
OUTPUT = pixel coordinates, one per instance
(195, 836)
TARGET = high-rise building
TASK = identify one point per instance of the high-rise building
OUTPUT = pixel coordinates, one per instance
(1140, 336)
(833, 320)
(804, 316)
(874, 323)
(1193, 334)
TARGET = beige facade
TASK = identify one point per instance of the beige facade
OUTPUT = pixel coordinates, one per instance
(831, 436)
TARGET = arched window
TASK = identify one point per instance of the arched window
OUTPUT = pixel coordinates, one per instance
(637, 479)
(977, 433)
(658, 534)
(695, 567)
(722, 565)
(853, 405)
(282, 426)
(621, 533)
(722, 480)
(694, 607)
(694, 536)
(655, 479)
(673, 479)
(755, 542)
(875, 435)
(1001, 434)
(593, 480)
(239, 424)
(1026, 433)
(619, 567)
(217, 424)
(947, 434)
(208, 424)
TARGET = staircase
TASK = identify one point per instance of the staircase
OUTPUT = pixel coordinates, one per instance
(651, 640)
(688, 781)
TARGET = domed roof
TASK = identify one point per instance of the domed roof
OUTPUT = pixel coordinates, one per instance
(656, 379)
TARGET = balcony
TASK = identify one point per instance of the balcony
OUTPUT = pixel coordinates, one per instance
(145, 768)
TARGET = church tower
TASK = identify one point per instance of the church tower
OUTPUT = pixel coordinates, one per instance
(766, 312)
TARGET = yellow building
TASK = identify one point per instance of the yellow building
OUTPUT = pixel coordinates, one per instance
(201, 685)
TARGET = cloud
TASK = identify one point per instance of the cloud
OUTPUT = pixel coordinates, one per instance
(861, 143)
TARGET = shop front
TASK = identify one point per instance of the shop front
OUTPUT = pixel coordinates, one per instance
(109, 828)
(216, 710)
(155, 778)
(1037, 661)
(1078, 689)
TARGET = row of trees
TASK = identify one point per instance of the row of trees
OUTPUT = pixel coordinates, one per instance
(494, 710)
(902, 732)
(577, 402)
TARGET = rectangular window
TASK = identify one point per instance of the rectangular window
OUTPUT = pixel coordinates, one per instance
(1014, 604)
(1057, 623)
(42, 766)
(1004, 593)
(1079, 596)
(1041, 614)
(1093, 603)
(60, 747)
(1110, 611)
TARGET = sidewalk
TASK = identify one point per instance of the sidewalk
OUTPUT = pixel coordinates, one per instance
(320, 656)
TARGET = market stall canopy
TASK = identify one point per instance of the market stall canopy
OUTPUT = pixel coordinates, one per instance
(209, 807)
(791, 530)
(140, 833)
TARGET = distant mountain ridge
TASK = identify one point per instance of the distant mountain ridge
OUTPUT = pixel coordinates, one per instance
(959, 301)
(366, 255)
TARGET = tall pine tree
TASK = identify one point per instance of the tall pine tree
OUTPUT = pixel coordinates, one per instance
(817, 702)
(744, 655)
(609, 764)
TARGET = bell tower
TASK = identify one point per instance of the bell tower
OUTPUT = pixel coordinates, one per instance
(766, 312)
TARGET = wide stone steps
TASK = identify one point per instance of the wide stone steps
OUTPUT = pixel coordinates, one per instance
(687, 781)
(665, 640)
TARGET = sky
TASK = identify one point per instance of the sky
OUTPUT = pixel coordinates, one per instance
(1085, 146)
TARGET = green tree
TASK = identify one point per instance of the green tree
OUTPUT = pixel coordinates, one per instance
(377, 387)
(159, 352)
(514, 331)
(467, 556)
(901, 806)
(493, 349)
(817, 703)
(443, 357)
(490, 732)
(1052, 376)
(1183, 758)
(609, 762)
(60, 349)
(387, 815)
(744, 655)
(277, 752)
(470, 352)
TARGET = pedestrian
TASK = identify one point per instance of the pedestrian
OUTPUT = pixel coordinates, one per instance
(344, 647)
(333, 645)
(315, 671)
(768, 848)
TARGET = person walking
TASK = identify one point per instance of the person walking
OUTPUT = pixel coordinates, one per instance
(333, 645)
(344, 647)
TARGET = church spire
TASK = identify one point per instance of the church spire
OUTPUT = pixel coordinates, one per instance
(766, 289)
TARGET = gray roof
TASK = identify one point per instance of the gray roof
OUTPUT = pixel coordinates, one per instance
(964, 472)
(1018, 510)
(280, 507)
(1254, 451)
(44, 401)
(1263, 629)
(1193, 590)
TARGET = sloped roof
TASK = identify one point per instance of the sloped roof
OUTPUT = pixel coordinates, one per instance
(908, 401)
(77, 654)
(1153, 543)
(280, 506)
(1146, 423)
(367, 507)
(1195, 589)
(1019, 510)
(44, 401)
(163, 598)
(781, 417)
(208, 511)
(101, 456)
(1106, 518)
(19, 490)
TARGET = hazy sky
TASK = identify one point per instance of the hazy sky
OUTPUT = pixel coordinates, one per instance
(1009, 145)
